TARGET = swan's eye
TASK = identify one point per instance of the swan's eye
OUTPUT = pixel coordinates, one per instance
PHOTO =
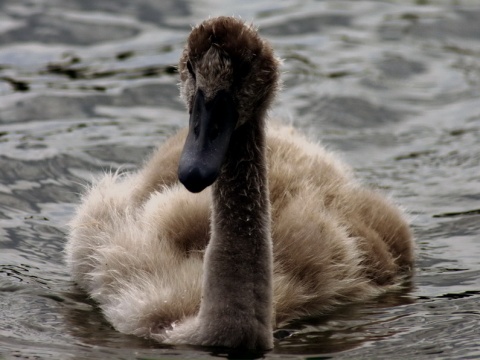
(190, 69)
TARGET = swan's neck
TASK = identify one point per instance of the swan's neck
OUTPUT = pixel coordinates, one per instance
(237, 291)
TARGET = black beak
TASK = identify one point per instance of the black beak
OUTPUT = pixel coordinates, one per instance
(211, 127)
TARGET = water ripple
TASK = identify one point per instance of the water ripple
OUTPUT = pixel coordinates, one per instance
(90, 86)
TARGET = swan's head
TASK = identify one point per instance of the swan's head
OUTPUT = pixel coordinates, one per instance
(229, 76)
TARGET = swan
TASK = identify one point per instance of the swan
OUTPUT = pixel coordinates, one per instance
(234, 226)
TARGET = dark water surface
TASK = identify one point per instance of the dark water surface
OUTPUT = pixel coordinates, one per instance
(87, 86)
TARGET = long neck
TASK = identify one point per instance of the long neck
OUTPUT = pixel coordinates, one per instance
(237, 289)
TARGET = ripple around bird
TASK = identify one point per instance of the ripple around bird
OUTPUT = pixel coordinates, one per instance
(89, 86)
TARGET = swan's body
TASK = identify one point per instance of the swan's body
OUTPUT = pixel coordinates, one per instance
(295, 241)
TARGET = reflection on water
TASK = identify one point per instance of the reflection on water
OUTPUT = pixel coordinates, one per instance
(90, 86)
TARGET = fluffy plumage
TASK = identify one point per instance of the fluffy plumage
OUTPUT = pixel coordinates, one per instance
(137, 242)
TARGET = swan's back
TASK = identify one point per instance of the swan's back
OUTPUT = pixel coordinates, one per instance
(137, 241)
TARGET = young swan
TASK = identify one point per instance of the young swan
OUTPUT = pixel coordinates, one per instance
(278, 229)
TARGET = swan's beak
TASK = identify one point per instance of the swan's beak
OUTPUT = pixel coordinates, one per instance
(211, 126)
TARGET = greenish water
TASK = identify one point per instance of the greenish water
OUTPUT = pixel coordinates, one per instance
(88, 86)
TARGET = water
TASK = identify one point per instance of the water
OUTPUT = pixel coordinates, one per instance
(87, 86)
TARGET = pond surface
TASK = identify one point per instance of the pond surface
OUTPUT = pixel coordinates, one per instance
(88, 86)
